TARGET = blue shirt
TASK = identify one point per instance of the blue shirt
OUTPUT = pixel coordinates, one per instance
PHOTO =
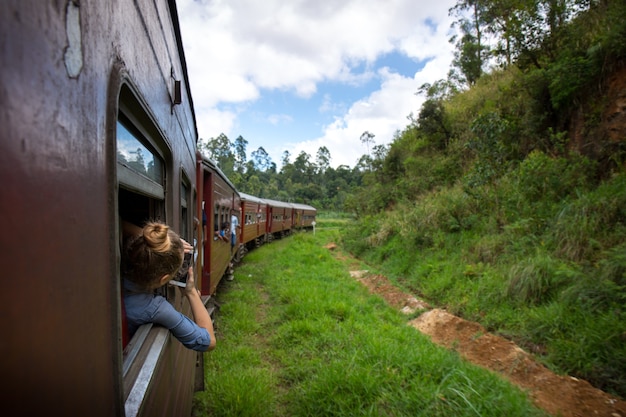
(143, 307)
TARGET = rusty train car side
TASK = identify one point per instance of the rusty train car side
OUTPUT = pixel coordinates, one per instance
(97, 126)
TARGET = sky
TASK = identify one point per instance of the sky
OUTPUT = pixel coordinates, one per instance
(297, 75)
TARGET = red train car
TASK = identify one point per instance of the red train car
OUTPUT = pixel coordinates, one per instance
(218, 197)
(303, 216)
(253, 221)
(98, 126)
(279, 215)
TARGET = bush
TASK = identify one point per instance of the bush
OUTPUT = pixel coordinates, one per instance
(536, 280)
(541, 177)
(594, 222)
(568, 76)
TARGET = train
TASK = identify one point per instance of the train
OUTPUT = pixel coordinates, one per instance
(99, 128)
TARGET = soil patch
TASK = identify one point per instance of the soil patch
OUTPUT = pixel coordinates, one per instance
(561, 396)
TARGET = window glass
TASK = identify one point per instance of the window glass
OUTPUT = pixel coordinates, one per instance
(132, 153)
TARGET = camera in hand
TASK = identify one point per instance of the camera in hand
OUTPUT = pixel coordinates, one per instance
(180, 278)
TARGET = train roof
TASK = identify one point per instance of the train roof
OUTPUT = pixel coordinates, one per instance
(245, 196)
(299, 206)
(276, 203)
(303, 206)
(213, 165)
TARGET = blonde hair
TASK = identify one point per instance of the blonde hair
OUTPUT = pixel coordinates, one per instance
(158, 251)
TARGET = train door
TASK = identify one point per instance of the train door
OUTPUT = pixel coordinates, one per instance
(212, 225)
(297, 222)
(270, 218)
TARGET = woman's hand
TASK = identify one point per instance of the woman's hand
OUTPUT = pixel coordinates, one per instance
(186, 246)
(190, 288)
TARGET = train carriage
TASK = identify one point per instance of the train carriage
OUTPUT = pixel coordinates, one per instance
(303, 216)
(217, 197)
(253, 221)
(98, 126)
(279, 215)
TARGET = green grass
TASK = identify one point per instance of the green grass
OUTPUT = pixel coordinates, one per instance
(548, 274)
(297, 336)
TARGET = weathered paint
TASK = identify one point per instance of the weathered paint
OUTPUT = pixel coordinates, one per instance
(63, 64)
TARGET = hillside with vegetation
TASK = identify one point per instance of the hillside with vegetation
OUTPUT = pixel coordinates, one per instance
(504, 199)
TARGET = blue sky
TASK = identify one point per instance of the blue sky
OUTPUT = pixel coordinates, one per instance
(295, 75)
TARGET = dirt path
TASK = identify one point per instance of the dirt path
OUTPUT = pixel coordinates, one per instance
(558, 395)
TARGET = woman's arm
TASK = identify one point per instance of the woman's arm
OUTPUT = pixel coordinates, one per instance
(198, 310)
(130, 229)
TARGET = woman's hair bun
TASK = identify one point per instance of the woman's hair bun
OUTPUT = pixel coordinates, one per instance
(156, 236)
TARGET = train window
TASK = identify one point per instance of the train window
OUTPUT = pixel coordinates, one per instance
(139, 167)
(184, 210)
(141, 176)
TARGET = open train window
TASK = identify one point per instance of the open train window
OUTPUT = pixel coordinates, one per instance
(141, 192)
(140, 175)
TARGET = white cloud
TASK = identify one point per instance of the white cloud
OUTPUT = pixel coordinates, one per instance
(235, 49)
(277, 119)
(382, 113)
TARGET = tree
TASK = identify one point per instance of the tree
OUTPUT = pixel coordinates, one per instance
(138, 163)
(285, 158)
(218, 149)
(303, 169)
(367, 138)
(254, 185)
(471, 53)
(364, 164)
(431, 122)
(322, 159)
(262, 160)
(240, 153)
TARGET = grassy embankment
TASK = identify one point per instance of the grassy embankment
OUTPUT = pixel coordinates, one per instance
(539, 258)
(299, 337)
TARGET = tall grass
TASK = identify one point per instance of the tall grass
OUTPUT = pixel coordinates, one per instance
(297, 336)
(542, 264)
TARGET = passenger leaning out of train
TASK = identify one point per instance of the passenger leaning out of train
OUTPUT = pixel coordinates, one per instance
(152, 255)
(234, 223)
(221, 233)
